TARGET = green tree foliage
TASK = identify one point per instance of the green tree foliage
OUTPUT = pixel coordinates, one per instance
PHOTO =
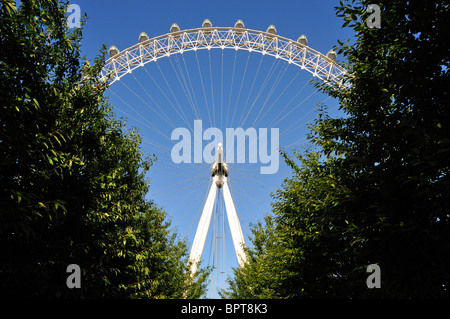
(304, 249)
(72, 177)
(376, 190)
(256, 279)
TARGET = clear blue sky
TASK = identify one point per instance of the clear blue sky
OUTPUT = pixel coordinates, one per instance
(181, 189)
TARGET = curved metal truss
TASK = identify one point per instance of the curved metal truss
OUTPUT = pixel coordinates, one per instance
(178, 42)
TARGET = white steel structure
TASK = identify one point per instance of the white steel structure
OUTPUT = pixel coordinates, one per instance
(219, 181)
(237, 38)
(177, 41)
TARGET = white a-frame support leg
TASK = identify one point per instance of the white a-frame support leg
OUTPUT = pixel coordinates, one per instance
(205, 220)
(219, 173)
(202, 229)
(235, 226)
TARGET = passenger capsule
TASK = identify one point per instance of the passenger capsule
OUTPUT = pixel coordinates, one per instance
(302, 41)
(239, 25)
(113, 51)
(331, 55)
(207, 26)
(272, 31)
(143, 37)
(175, 31)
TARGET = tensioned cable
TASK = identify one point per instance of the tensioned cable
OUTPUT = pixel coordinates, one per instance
(221, 94)
(253, 186)
(162, 91)
(231, 88)
(217, 245)
(251, 88)
(212, 88)
(293, 98)
(173, 185)
(203, 86)
(299, 141)
(224, 256)
(291, 110)
(198, 212)
(183, 87)
(274, 86)
(290, 129)
(249, 171)
(298, 105)
(145, 102)
(240, 89)
(154, 143)
(192, 87)
(195, 167)
(182, 202)
(212, 250)
(150, 125)
(266, 82)
(173, 94)
(276, 100)
(239, 196)
(153, 100)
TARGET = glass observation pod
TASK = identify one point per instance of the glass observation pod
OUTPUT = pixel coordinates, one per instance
(239, 26)
(271, 30)
(143, 39)
(175, 31)
(113, 51)
(207, 27)
(302, 42)
(331, 55)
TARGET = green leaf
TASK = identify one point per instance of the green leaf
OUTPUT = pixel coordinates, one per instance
(10, 6)
(36, 104)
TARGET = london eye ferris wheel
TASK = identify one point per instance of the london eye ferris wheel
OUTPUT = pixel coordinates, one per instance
(186, 91)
